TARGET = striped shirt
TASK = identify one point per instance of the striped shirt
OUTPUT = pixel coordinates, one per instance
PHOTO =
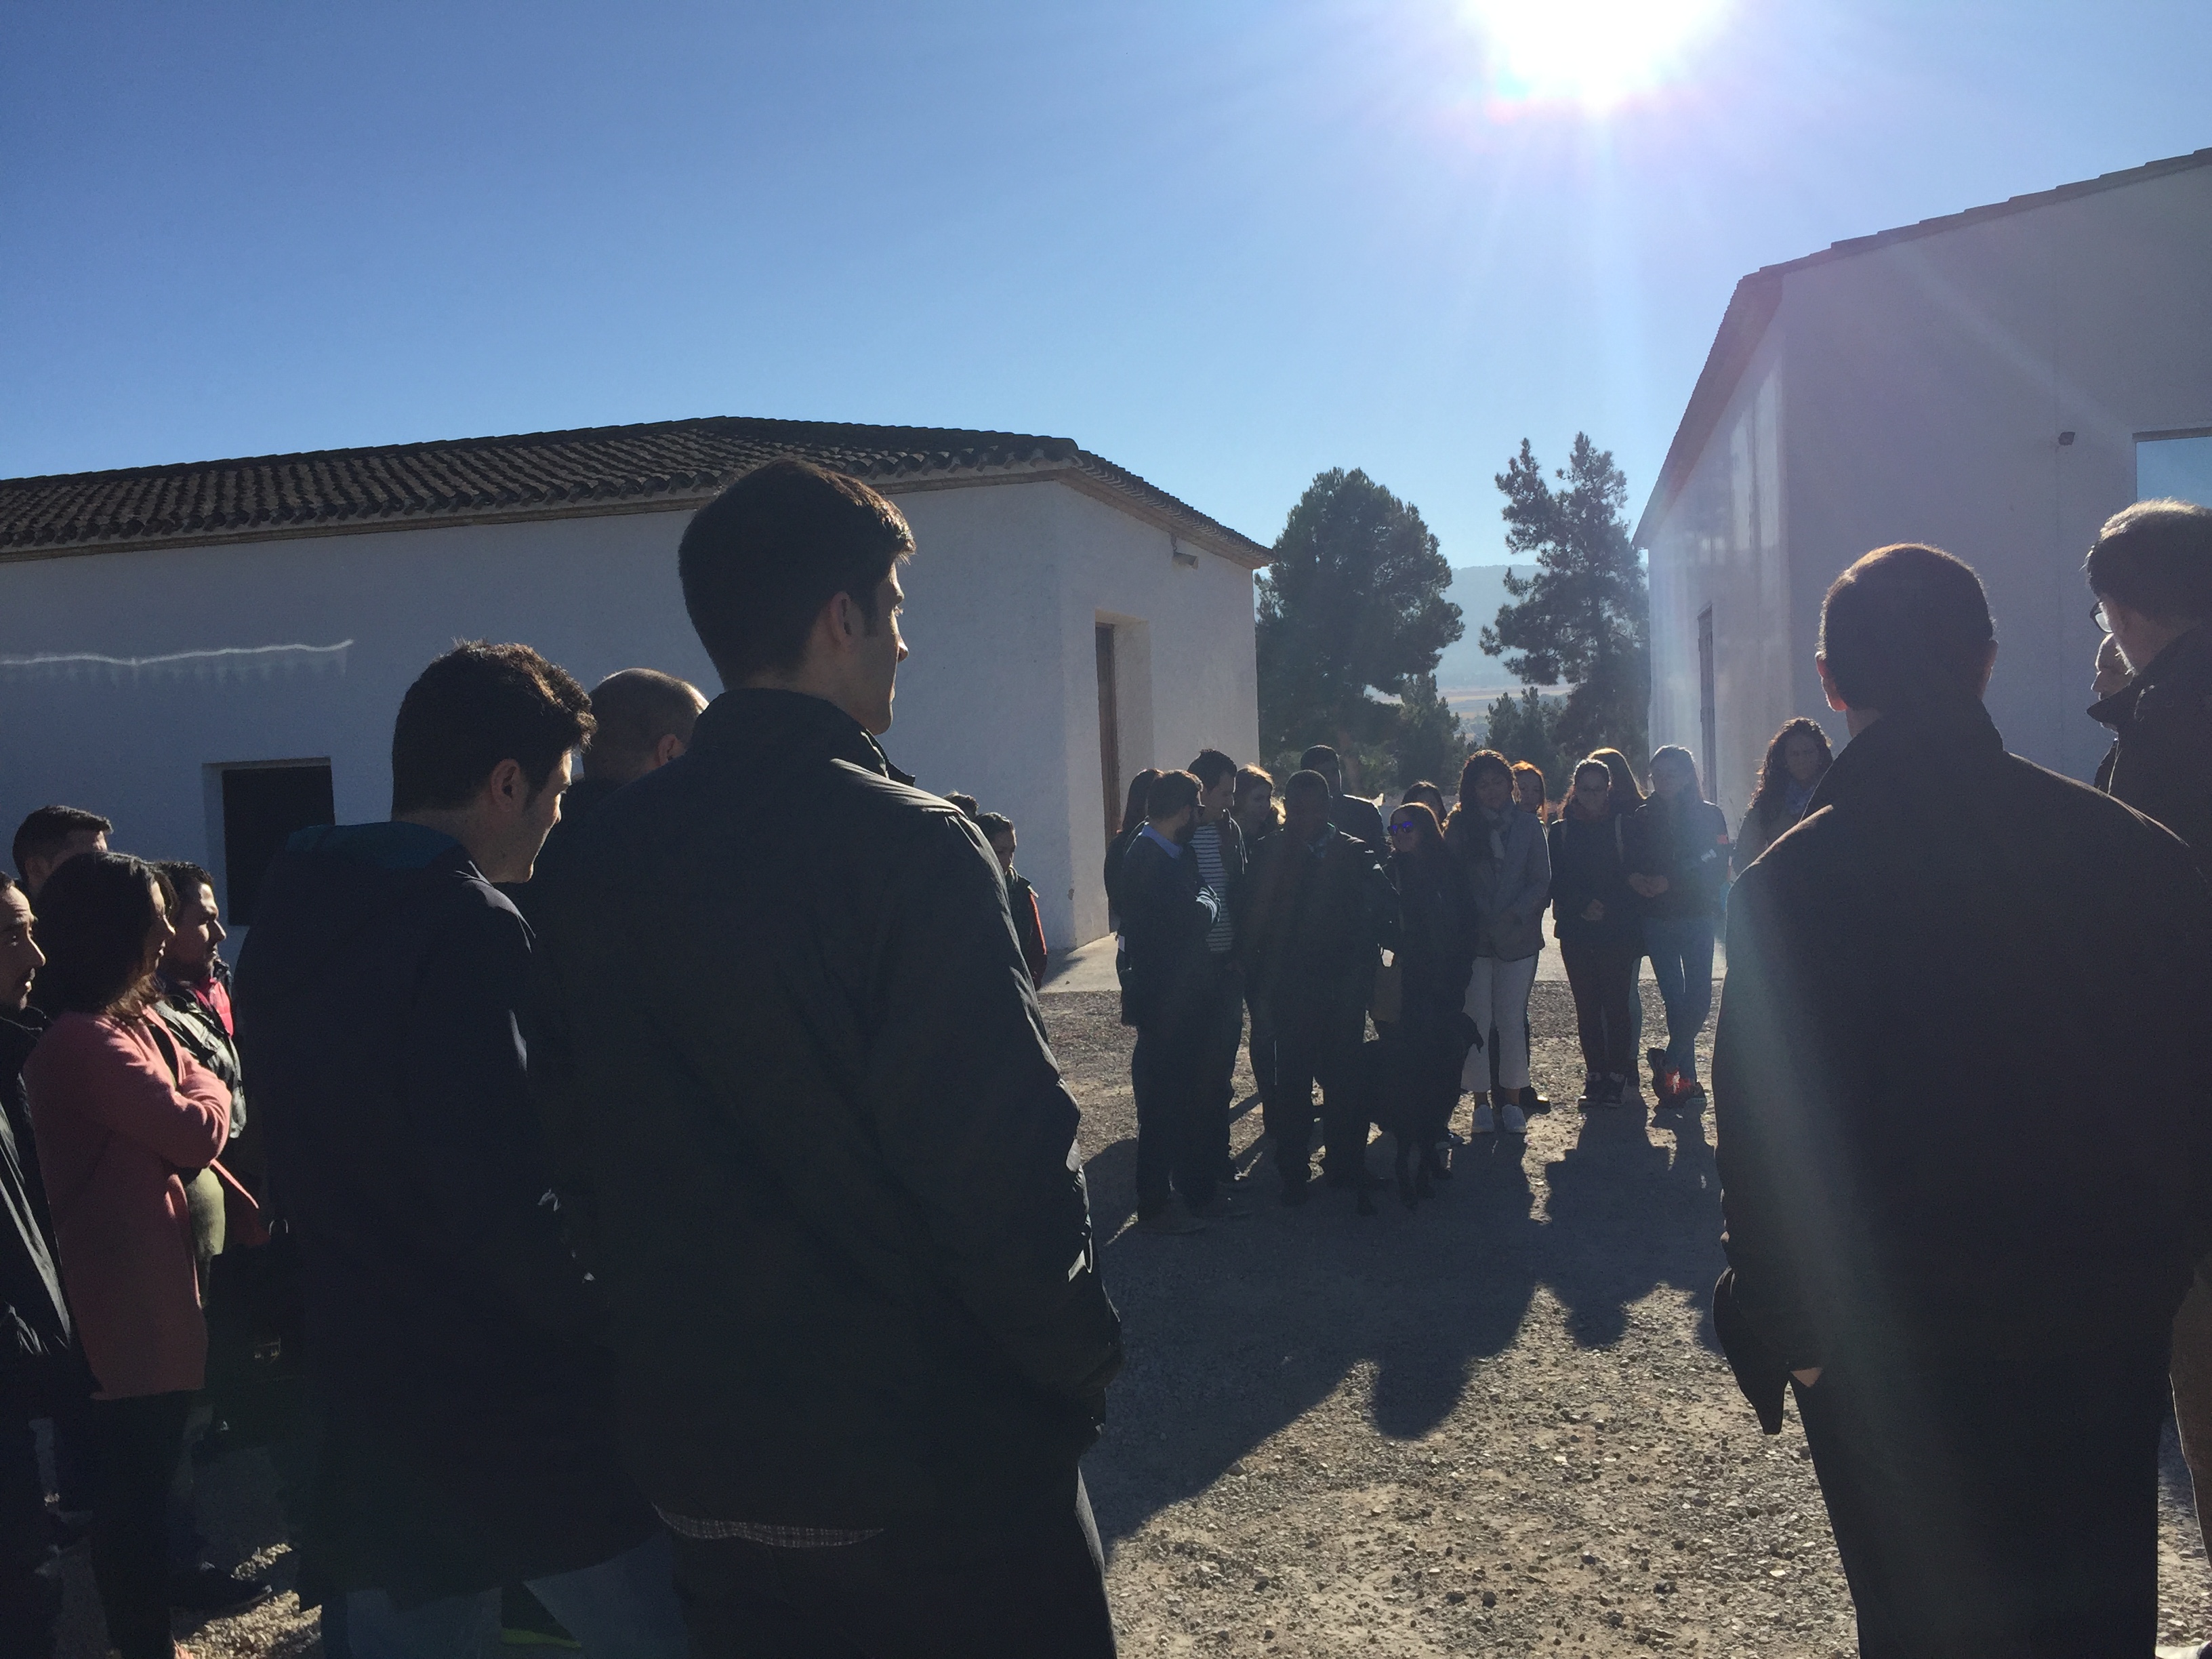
(1205, 845)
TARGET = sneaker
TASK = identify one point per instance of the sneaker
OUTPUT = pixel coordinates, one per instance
(1170, 1218)
(1692, 1098)
(1511, 1120)
(1532, 1102)
(1482, 1125)
(1587, 1098)
(1656, 1059)
(209, 1590)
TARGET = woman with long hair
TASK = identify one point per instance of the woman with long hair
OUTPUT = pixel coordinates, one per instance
(1530, 793)
(1795, 761)
(1627, 794)
(1679, 862)
(1426, 1045)
(123, 1117)
(1599, 924)
(1428, 796)
(1133, 820)
(1509, 870)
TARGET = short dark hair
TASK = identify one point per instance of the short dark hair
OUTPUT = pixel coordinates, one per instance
(760, 561)
(1249, 778)
(1904, 626)
(1319, 755)
(47, 831)
(1170, 793)
(478, 705)
(1303, 781)
(967, 804)
(994, 825)
(632, 711)
(2156, 558)
(1212, 766)
(183, 876)
(96, 917)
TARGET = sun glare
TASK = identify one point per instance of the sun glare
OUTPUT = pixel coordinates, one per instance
(1597, 53)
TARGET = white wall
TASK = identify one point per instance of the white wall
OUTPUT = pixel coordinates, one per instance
(998, 697)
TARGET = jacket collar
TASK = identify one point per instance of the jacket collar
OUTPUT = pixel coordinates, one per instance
(758, 718)
(1902, 748)
(19, 1032)
(2190, 655)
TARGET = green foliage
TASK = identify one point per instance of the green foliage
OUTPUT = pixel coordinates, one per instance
(1431, 743)
(1585, 615)
(1354, 604)
(1527, 729)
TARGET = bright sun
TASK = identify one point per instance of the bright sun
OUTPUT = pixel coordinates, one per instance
(1592, 52)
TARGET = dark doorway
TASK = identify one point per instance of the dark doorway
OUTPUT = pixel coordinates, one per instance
(1708, 712)
(1110, 734)
(262, 805)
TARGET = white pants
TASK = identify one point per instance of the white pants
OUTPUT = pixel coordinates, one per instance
(1498, 1001)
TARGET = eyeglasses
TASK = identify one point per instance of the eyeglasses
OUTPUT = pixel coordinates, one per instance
(1404, 829)
(2097, 615)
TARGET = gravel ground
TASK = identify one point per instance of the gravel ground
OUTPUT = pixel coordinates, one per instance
(1499, 1422)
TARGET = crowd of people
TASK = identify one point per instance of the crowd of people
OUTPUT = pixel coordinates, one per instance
(674, 1231)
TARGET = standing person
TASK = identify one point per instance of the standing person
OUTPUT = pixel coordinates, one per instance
(123, 1116)
(1679, 851)
(1021, 897)
(1530, 793)
(1218, 844)
(452, 1342)
(1321, 909)
(1356, 815)
(1626, 797)
(50, 837)
(642, 719)
(1259, 815)
(1428, 795)
(1598, 921)
(1796, 760)
(1133, 821)
(1169, 913)
(1509, 868)
(37, 1369)
(1426, 1044)
(1976, 1329)
(839, 1201)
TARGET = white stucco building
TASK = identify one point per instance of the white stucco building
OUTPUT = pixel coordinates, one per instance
(1997, 383)
(211, 653)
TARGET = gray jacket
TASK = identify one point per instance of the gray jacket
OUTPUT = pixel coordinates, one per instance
(1509, 890)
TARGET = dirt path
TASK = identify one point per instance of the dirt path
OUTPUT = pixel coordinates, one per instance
(1497, 1424)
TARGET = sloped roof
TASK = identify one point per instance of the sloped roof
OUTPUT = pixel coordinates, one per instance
(657, 466)
(1756, 296)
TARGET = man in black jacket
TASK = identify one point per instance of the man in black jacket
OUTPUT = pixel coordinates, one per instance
(641, 719)
(34, 1322)
(1168, 985)
(453, 1343)
(1971, 1289)
(1357, 816)
(838, 1200)
(1321, 911)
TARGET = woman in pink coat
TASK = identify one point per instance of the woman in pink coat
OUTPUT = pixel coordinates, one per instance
(124, 1117)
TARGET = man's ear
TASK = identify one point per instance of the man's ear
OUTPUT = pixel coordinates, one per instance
(1828, 686)
(507, 789)
(668, 748)
(1989, 667)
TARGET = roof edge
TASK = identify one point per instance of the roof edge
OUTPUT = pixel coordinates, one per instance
(1743, 325)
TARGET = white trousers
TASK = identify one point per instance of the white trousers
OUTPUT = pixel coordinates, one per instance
(1498, 1001)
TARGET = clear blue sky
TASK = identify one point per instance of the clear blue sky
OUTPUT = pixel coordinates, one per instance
(1226, 244)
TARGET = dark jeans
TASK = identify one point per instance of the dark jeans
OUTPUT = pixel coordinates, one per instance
(1996, 1506)
(1260, 1046)
(1223, 1030)
(139, 1443)
(1176, 1150)
(1421, 1062)
(1681, 951)
(30, 1595)
(1603, 979)
(908, 1594)
(1317, 1041)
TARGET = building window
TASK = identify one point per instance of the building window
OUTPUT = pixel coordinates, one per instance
(1708, 712)
(2178, 464)
(1110, 732)
(262, 807)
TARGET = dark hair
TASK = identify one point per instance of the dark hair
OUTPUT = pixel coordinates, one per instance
(2156, 558)
(760, 561)
(47, 831)
(1212, 766)
(7, 883)
(1170, 793)
(1319, 755)
(478, 705)
(967, 804)
(96, 917)
(1140, 787)
(632, 711)
(994, 825)
(1249, 778)
(1774, 772)
(1529, 768)
(183, 877)
(1673, 753)
(1437, 807)
(1906, 625)
(1624, 777)
(1428, 837)
(1303, 781)
(1482, 761)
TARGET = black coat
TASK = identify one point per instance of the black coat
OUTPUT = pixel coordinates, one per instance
(1316, 920)
(1362, 820)
(1590, 859)
(1166, 912)
(1959, 1078)
(2162, 762)
(839, 1207)
(35, 1322)
(1687, 843)
(451, 1335)
(1438, 931)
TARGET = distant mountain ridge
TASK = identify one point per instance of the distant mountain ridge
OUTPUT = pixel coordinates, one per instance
(1478, 591)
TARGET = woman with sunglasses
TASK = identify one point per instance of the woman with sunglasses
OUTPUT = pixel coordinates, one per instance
(1509, 869)
(1424, 1047)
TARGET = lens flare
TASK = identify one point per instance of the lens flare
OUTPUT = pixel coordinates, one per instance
(1597, 53)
